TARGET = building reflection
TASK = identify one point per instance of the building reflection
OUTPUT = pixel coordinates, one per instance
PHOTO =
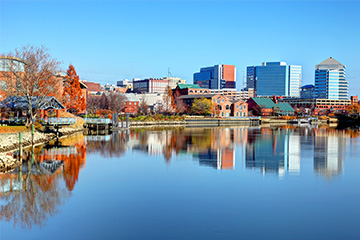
(329, 153)
(276, 150)
(34, 190)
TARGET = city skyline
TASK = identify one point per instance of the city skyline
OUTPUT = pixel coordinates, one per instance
(113, 41)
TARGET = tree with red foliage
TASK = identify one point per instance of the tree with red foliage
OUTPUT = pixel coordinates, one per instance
(73, 98)
(168, 106)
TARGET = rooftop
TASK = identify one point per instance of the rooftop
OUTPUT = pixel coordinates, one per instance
(264, 102)
(329, 63)
(308, 86)
(198, 96)
(183, 86)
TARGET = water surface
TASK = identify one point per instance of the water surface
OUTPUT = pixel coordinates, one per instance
(188, 183)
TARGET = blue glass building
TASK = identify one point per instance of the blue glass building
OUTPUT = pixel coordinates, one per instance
(250, 77)
(307, 91)
(216, 77)
(330, 82)
(274, 78)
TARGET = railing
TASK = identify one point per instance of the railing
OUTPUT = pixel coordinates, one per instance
(98, 120)
(13, 120)
(61, 121)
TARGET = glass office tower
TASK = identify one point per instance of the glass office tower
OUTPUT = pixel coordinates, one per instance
(330, 82)
(275, 78)
(216, 77)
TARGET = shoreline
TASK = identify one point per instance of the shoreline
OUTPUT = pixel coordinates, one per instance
(10, 142)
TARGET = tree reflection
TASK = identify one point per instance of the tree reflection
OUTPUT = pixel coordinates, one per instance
(113, 145)
(34, 191)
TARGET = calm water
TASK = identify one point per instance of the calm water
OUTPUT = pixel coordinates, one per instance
(190, 183)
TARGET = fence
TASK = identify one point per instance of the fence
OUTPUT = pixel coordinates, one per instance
(60, 121)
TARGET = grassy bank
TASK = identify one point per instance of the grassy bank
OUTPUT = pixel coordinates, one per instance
(13, 129)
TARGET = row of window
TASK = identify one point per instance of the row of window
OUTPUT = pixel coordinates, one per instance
(131, 103)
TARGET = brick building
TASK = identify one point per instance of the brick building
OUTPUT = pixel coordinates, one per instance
(190, 89)
(225, 106)
(320, 105)
(131, 103)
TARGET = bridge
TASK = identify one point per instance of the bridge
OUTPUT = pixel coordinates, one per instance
(98, 123)
(59, 121)
(53, 124)
(107, 123)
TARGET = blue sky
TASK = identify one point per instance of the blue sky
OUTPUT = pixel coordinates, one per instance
(108, 41)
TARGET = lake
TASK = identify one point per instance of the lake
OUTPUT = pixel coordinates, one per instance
(188, 183)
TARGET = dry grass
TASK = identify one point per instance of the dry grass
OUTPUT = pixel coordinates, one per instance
(80, 122)
(13, 129)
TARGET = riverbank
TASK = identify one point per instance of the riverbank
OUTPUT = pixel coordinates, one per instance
(10, 141)
(156, 123)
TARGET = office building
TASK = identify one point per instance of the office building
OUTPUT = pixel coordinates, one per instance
(274, 78)
(150, 85)
(174, 81)
(250, 77)
(126, 83)
(330, 82)
(307, 91)
(216, 77)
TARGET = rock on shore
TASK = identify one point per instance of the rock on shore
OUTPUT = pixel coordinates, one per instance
(8, 163)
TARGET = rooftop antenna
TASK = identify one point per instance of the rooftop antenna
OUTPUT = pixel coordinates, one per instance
(169, 73)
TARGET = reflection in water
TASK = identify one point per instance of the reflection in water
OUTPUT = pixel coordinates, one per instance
(34, 191)
(37, 188)
(278, 150)
(329, 155)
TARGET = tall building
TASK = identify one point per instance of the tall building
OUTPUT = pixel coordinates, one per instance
(330, 82)
(216, 77)
(307, 91)
(250, 77)
(274, 78)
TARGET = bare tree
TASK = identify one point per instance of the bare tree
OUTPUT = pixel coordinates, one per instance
(112, 101)
(104, 101)
(116, 102)
(143, 106)
(30, 76)
(93, 103)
